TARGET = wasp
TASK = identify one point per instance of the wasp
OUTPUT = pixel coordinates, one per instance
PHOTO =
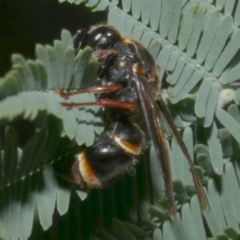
(128, 84)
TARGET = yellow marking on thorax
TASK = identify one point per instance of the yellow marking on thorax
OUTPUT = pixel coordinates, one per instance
(121, 63)
(127, 41)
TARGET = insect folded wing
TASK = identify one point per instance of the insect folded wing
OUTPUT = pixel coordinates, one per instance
(157, 136)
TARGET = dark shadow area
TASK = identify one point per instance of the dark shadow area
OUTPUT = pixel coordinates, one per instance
(25, 23)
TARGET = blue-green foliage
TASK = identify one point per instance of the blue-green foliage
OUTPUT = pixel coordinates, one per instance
(197, 43)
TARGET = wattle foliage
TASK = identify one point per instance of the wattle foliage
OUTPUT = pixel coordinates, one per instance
(197, 43)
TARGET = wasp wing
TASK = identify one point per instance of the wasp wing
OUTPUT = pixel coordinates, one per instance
(204, 204)
(157, 135)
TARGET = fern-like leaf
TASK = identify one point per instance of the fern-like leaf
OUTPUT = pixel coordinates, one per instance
(197, 43)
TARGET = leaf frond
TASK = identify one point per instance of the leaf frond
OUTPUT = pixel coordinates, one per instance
(197, 43)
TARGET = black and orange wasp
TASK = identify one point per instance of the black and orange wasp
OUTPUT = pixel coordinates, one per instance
(128, 84)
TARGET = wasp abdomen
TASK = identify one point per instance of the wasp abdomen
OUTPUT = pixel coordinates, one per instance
(111, 155)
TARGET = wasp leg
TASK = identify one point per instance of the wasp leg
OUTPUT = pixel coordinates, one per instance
(203, 200)
(95, 90)
(109, 103)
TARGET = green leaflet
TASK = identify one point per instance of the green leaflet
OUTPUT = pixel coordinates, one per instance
(185, 75)
(188, 226)
(186, 27)
(165, 17)
(136, 9)
(233, 187)
(174, 25)
(219, 41)
(146, 38)
(231, 125)
(137, 32)
(215, 151)
(46, 199)
(146, 12)
(226, 56)
(157, 234)
(126, 5)
(153, 15)
(197, 222)
(63, 199)
(162, 59)
(208, 36)
(197, 19)
(174, 75)
(27, 80)
(202, 97)
(167, 231)
(230, 76)
(82, 60)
